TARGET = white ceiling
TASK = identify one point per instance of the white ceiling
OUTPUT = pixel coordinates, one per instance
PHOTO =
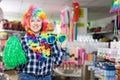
(96, 8)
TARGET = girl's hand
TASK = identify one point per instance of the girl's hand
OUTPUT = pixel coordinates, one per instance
(64, 44)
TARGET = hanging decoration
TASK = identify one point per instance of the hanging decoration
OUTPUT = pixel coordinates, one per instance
(64, 16)
(74, 20)
(115, 8)
(76, 8)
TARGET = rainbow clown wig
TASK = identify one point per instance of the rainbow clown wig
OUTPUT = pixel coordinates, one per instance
(33, 12)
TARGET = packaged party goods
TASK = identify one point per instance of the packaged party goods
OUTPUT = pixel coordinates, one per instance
(3, 35)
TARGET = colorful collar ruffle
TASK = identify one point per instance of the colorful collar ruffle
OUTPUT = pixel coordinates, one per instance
(39, 47)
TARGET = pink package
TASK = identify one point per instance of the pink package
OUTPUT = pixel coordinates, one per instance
(81, 56)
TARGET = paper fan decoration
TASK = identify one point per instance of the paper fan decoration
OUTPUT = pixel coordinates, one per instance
(115, 7)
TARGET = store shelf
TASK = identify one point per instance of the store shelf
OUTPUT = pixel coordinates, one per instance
(11, 31)
(67, 74)
(102, 32)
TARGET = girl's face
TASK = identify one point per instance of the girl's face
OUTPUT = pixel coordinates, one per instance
(35, 24)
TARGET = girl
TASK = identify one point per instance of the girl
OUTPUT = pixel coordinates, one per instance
(40, 55)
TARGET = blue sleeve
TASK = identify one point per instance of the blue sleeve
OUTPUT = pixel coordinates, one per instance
(57, 54)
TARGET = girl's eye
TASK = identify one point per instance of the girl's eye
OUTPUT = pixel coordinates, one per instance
(32, 20)
(38, 20)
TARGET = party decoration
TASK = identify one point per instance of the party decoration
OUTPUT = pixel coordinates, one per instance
(61, 38)
(75, 30)
(115, 7)
(52, 37)
(13, 55)
(42, 47)
(76, 9)
(64, 16)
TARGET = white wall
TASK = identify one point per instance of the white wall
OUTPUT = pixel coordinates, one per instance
(1, 13)
(83, 29)
(102, 22)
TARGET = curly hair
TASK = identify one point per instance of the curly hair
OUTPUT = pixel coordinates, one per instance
(33, 12)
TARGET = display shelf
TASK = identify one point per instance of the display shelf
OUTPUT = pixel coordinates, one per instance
(102, 32)
(11, 31)
(67, 74)
(100, 58)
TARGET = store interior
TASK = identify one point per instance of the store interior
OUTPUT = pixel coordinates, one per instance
(92, 29)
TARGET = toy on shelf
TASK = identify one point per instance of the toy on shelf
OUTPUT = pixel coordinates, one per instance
(11, 25)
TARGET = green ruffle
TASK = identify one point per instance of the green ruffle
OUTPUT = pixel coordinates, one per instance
(13, 54)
